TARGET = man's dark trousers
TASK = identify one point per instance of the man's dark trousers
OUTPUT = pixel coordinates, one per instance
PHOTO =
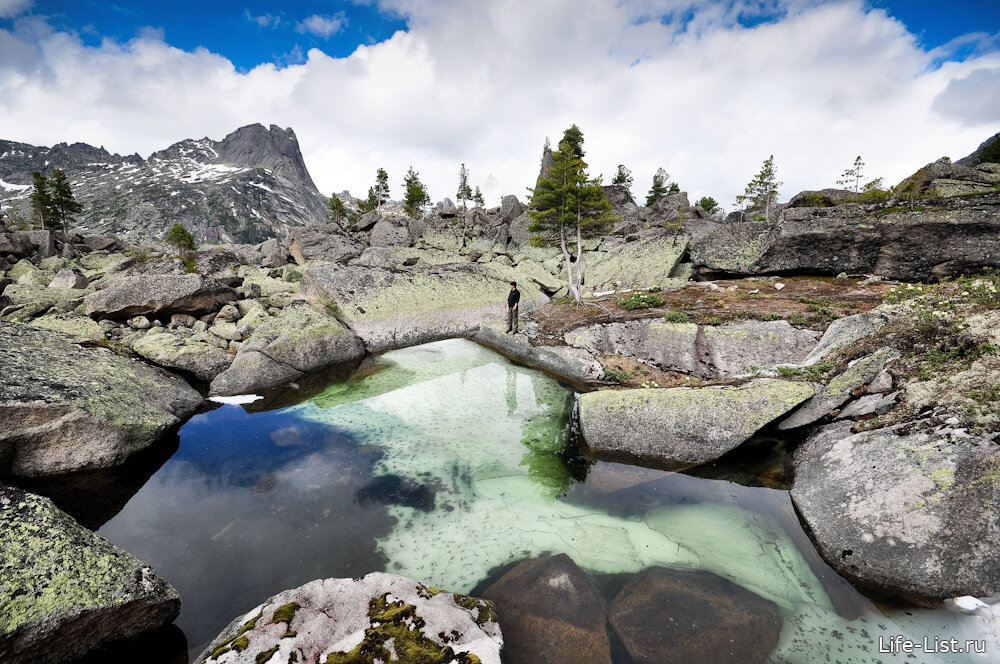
(512, 319)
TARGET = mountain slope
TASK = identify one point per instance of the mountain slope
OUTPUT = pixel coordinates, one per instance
(247, 187)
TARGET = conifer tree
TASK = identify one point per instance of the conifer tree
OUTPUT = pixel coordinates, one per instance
(708, 204)
(416, 196)
(378, 195)
(464, 190)
(762, 191)
(659, 188)
(853, 175)
(41, 200)
(179, 237)
(478, 197)
(337, 209)
(623, 177)
(64, 205)
(566, 202)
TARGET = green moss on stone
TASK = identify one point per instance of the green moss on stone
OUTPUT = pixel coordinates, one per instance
(263, 657)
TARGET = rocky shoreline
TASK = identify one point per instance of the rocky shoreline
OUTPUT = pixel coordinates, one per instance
(107, 348)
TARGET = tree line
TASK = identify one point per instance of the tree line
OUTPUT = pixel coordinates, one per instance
(53, 205)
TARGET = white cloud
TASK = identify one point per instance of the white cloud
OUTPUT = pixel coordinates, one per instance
(264, 20)
(11, 8)
(485, 83)
(322, 26)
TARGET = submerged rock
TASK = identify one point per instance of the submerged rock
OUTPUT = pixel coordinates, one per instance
(664, 616)
(161, 294)
(298, 341)
(379, 617)
(66, 408)
(907, 515)
(681, 427)
(65, 590)
(550, 612)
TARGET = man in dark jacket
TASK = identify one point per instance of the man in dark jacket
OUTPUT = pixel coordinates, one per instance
(512, 300)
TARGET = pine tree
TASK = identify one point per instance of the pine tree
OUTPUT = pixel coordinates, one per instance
(64, 206)
(179, 237)
(853, 175)
(478, 197)
(708, 204)
(567, 201)
(337, 210)
(416, 196)
(41, 200)
(378, 195)
(623, 177)
(574, 137)
(762, 190)
(659, 188)
(464, 191)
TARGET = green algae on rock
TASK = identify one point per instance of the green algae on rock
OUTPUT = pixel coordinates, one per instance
(65, 590)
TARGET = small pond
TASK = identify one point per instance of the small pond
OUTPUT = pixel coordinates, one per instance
(446, 463)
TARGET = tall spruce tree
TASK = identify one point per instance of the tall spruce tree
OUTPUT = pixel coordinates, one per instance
(338, 212)
(378, 195)
(64, 205)
(762, 190)
(567, 205)
(659, 187)
(416, 196)
(623, 177)
(464, 190)
(477, 198)
(41, 200)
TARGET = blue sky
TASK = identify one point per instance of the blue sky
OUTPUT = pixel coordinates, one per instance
(255, 32)
(706, 89)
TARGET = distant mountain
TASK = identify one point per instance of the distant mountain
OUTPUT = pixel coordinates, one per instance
(247, 187)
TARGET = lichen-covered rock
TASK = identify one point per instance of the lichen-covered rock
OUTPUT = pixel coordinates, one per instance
(665, 616)
(65, 408)
(888, 239)
(36, 278)
(551, 612)
(298, 341)
(202, 360)
(649, 261)
(843, 332)
(65, 590)
(574, 365)
(681, 427)
(321, 242)
(840, 388)
(69, 278)
(705, 351)
(377, 618)
(910, 515)
(31, 301)
(390, 232)
(161, 294)
(80, 328)
(397, 308)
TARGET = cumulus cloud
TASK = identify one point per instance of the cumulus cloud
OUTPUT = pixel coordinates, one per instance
(322, 26)
(11, 8)
(701, 95)
(264, 20)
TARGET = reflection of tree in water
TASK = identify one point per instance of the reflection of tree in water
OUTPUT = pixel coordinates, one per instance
(553, 459)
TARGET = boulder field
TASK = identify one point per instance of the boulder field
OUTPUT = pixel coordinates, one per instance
(103, 347)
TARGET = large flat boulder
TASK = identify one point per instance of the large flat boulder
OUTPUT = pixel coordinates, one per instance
(397, 308)
(202, 360)
(666, 616)
(704, 351)
(64, 590)
(299, 341)
(158, 294)
(551, 612)
(649, 261)
(65, 408)
(376, 618)
(322, 242)
(935, 239)
(681, 427)
(910, 515)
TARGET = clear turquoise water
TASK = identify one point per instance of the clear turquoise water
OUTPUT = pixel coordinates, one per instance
(447, 464)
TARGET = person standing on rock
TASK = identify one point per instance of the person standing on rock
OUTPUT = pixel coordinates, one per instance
(512, 300)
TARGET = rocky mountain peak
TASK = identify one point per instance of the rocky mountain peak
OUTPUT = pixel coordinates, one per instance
(274, 149)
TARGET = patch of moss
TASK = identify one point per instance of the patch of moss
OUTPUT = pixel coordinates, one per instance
(230, 644)
(284, 614)
(263, 657)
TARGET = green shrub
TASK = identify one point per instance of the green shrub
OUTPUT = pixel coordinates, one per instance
(537, 241)
(617, 376)
(179, 237)
(712, 320)
(816, 200)
(640, 301)
(677, 317)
